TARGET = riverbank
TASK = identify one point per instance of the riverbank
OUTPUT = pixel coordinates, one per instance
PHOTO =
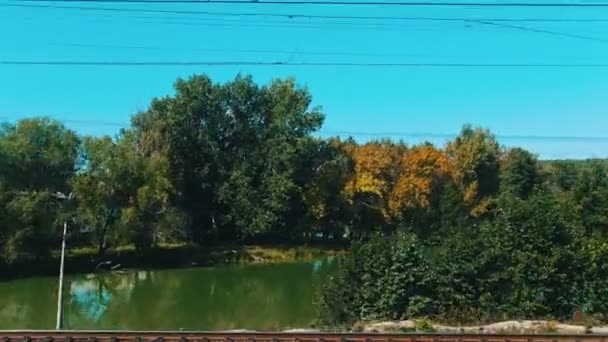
(506, 327)
(85, 260)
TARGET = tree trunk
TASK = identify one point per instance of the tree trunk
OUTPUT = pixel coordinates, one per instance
(102, 244)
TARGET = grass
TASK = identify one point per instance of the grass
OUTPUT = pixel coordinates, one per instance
(287, 254)
(92, 251)
(245, 254)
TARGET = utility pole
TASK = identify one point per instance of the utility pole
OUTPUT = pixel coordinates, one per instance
(59, 324)
(62, 198)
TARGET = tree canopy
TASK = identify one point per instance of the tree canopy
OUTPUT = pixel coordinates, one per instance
(469, 229)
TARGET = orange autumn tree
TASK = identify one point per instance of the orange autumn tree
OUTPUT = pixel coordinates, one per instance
(423, 170)
(376, 166)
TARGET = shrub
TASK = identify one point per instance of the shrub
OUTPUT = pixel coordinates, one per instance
(424, 325)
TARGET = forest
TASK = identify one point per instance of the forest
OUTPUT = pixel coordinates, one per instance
(471, 230)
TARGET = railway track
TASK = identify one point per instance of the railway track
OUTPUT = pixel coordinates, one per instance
(158, 336)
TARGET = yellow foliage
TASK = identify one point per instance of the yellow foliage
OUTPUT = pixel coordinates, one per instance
(318, 210)
(365, 182)
(373, 164)
(470, 193)
(421, 171)
(376, 167)
(481, 207)
(474, 154)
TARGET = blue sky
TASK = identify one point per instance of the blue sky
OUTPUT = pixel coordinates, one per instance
(546, 110)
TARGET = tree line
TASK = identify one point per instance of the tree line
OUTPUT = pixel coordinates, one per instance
(470, 227)
(473, 232)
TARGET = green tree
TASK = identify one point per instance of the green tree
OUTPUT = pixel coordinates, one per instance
(451, 211)
(519, 172)
(596, 272)
(37, 154)
(384, 278)
(327, 207)
(124, 195)
(232, 149)
(529, 260)
(591, 196)
(150, 215)
(103, 187)
(37, 159)
(563, 175)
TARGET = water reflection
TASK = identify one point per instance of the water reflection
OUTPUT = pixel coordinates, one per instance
(231, 297)
(91, 296)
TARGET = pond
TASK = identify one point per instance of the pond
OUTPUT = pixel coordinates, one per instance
(257, 296)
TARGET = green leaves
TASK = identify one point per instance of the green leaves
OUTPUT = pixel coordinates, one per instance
(37, 159)
(518, 173)
(393, 281)
(527, 261)
(122, 194)
(37, 154)
(528, 248)
(233, 152)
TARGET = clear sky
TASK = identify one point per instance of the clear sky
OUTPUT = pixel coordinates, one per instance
(555, 112)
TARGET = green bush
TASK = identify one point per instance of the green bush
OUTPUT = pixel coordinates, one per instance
(529, 260)
(424, 325)
(383, 278)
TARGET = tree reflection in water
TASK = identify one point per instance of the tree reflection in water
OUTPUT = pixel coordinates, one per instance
(90, 297)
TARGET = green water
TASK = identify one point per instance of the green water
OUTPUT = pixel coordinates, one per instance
(262, 297)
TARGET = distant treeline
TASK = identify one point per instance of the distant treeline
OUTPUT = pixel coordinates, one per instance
(239, 162)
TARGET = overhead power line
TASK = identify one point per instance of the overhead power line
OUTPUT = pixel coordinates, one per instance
(204, 22)
(302, 16)
(350, 3)
(429, 135)
(241, 23)
(303, 64)
(373, 26)
(544, 31)
(299, 52)
(367, 26)
(347, 133)
(348, 53)
(490, 22)
(73, 121)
